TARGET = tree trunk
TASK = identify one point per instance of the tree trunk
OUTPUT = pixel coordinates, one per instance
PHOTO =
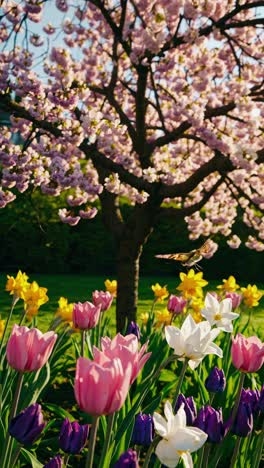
(127, 280)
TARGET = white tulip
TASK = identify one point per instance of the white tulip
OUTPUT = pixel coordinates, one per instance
(193, 341)
(219, 313)
(178, 440)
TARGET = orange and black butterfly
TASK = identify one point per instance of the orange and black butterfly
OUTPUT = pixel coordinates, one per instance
(188, 258)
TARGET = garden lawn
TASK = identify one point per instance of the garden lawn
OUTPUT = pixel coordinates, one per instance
(79, 288)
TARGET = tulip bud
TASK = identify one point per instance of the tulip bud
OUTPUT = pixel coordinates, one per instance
(215, 381)
(127, 459)
(189, 408)
(235, 298)
(176, 304)
(85, 315)
(133, 329)
(210, 421)
(243, 424)
(55, 462)
(27, 425)
(37, 348)
(251, 397)
(143, 430)
(247, 353)
(103, 298)
(72, 436)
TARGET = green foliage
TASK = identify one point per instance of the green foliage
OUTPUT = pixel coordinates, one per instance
(33, 239)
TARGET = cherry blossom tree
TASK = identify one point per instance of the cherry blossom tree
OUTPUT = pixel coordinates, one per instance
(159, 103)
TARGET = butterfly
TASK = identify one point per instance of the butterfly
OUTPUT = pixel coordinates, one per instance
(188, 258)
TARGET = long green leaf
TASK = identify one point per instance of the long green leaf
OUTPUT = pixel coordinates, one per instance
(30, 458)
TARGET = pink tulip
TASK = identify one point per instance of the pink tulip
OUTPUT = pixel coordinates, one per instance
(235, 298)
(126, 349)
(103, 298)
(176, 304)
(28, 349)
(85, 315)
(101, 387)
(247, 353)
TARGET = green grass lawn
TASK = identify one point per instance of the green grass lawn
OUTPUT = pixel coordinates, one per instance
(79, 288)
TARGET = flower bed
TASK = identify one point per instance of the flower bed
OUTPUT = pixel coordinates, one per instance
(185, 388)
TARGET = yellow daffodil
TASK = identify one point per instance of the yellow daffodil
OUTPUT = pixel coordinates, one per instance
(2, 327)
(229, 285)
(191, 284)
(16, 286)
(65, 309)
(163, 318)
(111, 286)
(196, 305)
(34, 296)
(160, 292)
(251, 295)
(144, 317)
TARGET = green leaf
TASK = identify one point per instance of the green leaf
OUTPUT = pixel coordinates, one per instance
(150, 408)
(203, 392)
(30, 458)
(58, 411)
(167, 375)
(2, 433)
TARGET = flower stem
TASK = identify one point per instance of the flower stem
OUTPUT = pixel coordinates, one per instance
(16, 396)
(233, 417)
(6, 451)
(99, 329)
(66, 459)
(110, 423)
(92, 441)
(15, 456)
(22, 317)
(150, 450)
(257, 458)
(15, 299)
(235, 452)
(179, 384)
(82, 342)
(237, 400)
(206, 452)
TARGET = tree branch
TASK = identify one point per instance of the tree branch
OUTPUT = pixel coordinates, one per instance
(219, 163)
(189, 210)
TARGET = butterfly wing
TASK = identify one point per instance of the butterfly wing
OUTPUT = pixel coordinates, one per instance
(195, 258)
(180, 257)
(205, 248)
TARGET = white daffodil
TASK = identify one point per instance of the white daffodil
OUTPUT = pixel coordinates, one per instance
(178, 440)
(219, 313)
(193, 341)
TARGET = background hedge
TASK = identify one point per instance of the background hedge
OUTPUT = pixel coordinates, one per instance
(34, 240)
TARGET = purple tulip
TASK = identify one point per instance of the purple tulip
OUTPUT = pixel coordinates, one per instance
(27, 425)
(55, 462)
(176, 304)
(128, 459)
(210, 421)
(143, 432)
(189, 408)
(252, 398)
(243, 424)
(215, 381)
(133, 329)
(72, 436)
